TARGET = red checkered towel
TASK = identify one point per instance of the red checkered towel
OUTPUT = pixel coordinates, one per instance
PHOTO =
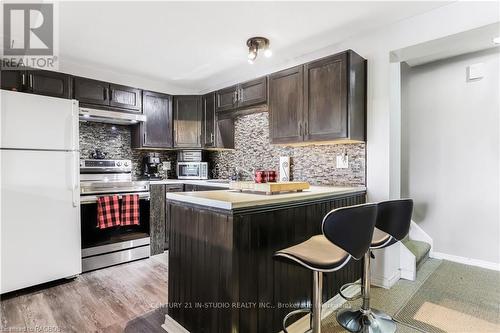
(108, 211)
(130, 209)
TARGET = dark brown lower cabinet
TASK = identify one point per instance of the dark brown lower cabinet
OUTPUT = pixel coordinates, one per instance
(218, 258)
(169, 188)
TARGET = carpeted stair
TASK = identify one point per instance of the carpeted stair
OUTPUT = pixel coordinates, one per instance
(419, 249)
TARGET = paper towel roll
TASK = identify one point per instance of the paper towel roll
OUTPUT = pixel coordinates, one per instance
(284, 168)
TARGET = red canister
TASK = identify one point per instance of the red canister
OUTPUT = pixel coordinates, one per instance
(271, 176)
(260, 176)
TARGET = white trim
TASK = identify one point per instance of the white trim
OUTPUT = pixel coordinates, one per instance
(407, 263)
(386, 283)
(467, 261)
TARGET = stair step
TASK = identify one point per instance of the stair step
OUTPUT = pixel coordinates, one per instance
(419, 249)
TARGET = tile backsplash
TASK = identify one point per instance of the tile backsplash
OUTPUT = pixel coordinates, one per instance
(115, 140)
(315, 164)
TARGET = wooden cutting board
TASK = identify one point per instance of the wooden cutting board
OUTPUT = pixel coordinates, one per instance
(269, 188)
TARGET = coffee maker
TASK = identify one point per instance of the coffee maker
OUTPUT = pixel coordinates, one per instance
(151, 163)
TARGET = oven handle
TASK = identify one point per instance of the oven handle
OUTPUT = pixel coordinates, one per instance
(89, 199)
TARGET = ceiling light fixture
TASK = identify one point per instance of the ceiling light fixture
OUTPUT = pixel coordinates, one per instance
(496, 40)
(255, 44)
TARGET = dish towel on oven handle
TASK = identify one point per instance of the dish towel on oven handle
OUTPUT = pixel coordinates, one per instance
(130, 209)
(108, 211)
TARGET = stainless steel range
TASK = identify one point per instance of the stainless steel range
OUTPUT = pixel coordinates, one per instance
(111, 246)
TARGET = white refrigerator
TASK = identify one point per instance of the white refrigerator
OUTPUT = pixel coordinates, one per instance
(40, 190)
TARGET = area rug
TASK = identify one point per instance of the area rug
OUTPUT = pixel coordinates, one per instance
(455, 299)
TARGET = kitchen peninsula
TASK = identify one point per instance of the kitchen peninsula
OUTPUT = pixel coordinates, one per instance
(222, 275)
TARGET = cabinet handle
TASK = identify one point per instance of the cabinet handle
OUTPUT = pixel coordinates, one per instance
(235, 96)
(144, 137)
(300, 128)
(305, 128)
(240, 94)
(24, 79)
(31, 80)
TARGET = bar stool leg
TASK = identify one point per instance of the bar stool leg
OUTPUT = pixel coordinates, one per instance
(366, 320)
(317, 301)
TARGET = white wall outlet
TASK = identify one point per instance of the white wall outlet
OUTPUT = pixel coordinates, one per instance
(475, 72)
(342, 161)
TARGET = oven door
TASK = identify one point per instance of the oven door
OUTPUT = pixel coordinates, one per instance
(94, 237)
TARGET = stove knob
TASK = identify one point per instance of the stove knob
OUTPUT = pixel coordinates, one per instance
(126, 164)
(118, 163)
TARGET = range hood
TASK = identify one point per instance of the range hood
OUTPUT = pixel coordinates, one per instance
(110, 117)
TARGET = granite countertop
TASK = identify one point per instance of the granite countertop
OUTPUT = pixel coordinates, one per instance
(191, 182)
(231, 199)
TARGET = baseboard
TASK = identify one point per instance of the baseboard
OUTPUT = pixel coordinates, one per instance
(466, 261)
(171, 326)
(384, 282)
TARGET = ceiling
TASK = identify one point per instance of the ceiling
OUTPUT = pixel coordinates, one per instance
(198, 46)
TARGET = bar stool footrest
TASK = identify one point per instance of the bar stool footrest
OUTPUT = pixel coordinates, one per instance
(293, 313)
(344, 287)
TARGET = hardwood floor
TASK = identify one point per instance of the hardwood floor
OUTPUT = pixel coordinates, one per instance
(123, 298)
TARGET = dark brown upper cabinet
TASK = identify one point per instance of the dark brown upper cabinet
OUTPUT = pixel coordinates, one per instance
(125, 97)
(323, 100)
(224, 133)
(242, 95)
(156, 131)
(209, 119)
(13, 80)
(218, 129)
(93, 92)
(227, 99)
(286, 105)
(187, 121)
(252, 92)
(38, 82)
(89, 91)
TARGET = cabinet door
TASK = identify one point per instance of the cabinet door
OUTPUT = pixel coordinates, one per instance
(187, 121)
(253, 92)
(209, 120)
(49, 83)
(285, 105)
(325, 98)
(89, 91)
(13, 80)
(157, 130)
(125, 97)
(225, 133)
(226, 99)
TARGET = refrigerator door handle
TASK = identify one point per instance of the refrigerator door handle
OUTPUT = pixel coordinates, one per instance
(75, 186)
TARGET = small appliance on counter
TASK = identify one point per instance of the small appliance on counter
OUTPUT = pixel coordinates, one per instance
(190, 165)
(284, 172)
(98, 154)
(151, 165)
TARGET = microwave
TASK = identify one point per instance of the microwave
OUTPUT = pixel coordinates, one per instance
(192, 170)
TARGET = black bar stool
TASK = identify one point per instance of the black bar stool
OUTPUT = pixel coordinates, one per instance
(347, 233)
(393, 224)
